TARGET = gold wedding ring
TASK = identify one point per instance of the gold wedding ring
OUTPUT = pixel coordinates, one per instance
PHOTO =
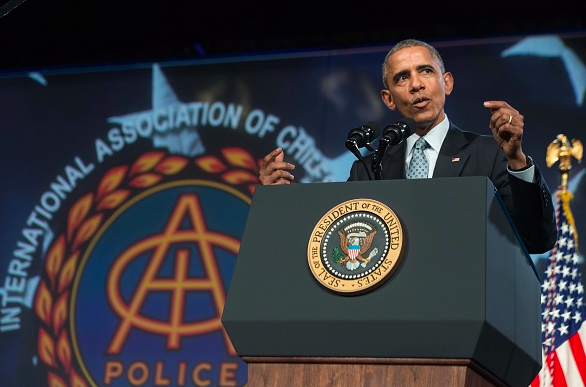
(510, 118)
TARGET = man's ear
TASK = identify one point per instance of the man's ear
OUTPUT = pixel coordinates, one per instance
(449, 82)
(388, 99)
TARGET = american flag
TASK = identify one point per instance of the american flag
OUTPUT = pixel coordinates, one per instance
(562, 307)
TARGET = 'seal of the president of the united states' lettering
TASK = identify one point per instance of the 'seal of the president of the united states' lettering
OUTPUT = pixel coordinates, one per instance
(355, 246)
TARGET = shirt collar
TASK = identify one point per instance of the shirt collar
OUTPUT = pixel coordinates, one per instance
(434, 137)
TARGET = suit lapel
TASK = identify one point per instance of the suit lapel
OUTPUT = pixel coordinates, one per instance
(453, 155)
(393, 165)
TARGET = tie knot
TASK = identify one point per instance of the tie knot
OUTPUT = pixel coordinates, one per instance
(421, 143)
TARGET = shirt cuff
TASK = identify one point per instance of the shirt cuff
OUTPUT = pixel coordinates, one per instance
(527, 174)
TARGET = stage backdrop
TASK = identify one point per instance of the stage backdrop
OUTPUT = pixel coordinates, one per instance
(125, 190)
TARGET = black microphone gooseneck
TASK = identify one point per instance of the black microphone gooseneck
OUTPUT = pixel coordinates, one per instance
(362, 137)
(393, 134)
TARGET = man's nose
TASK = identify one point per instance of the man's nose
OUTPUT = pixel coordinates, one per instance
(417, 83)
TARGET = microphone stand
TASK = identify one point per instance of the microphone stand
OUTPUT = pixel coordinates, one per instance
(377, 157)
(353, 147)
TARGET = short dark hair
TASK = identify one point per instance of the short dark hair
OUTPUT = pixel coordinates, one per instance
(411, 43)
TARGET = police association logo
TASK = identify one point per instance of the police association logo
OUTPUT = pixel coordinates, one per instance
(134, 287)
(134, 283)
(355, 247)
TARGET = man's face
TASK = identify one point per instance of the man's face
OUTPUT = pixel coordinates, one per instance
(417, 87)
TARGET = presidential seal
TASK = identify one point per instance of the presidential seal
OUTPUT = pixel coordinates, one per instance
(355, 247)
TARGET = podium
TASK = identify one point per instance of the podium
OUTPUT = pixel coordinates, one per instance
(462, 307)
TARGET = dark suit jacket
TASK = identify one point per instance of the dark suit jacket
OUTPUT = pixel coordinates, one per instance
(529, 204)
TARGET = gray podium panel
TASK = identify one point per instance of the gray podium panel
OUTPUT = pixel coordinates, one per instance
(464, 289)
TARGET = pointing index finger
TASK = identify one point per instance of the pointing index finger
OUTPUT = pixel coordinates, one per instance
(495, 105)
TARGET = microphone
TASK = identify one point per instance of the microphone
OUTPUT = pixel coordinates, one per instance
(360, 137)
(392, 135)
(395, 133)
(363, 135)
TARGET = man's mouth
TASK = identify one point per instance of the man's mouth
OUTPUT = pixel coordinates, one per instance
(420, 102)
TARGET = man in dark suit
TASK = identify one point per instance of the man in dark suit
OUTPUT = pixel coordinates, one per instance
(416, 84)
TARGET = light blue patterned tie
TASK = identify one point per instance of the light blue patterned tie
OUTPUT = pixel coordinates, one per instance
(418, 165)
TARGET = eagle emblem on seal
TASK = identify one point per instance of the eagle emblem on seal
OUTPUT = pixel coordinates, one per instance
(355, 241)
